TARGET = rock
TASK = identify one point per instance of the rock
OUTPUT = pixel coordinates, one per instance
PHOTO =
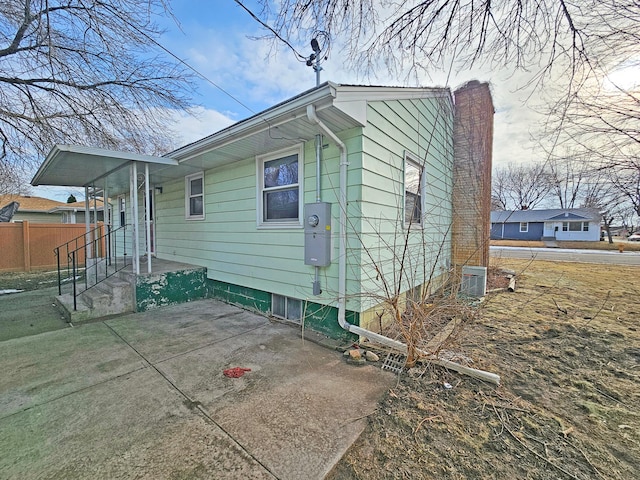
(371, 357)
(356, 361)
(354, 357)
(355, 354)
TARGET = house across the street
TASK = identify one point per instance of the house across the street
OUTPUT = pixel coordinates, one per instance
(44, 210)
(304, 210)
(569, 224)
(33, 209)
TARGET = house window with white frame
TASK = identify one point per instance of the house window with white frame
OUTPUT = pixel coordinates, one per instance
(280, 183)
(524, 227)
(194, 196)
(413, 187)
(575, 226)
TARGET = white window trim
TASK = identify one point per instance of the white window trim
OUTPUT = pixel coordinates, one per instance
(413, 160)
(122, 208)
(260, 161)
(187, 196)
(526, 227)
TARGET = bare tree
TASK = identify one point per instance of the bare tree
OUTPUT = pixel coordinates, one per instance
(520, 187)
(626, 179)
(75, 71)
(601, 194)
(532, 35)
(12, 180)
(567, 177)
(603, 126)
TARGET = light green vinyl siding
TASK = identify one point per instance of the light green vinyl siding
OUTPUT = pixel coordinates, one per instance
(229, 242)
(236, 251)
(423, 128)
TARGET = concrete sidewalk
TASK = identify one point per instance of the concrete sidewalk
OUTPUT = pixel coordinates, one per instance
(143, 396)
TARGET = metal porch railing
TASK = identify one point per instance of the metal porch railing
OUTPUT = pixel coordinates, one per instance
(101, 251)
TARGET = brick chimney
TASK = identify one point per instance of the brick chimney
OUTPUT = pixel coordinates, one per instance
(472, 146)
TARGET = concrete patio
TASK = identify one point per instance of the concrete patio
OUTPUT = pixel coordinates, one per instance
(143, 396)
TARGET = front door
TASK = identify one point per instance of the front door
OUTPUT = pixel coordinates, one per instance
(549, 229)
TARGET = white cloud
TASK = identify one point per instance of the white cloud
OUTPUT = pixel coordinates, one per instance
(260, 75)
(201, 123)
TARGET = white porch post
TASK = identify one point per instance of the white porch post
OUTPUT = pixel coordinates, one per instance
(133, 193)
(106, 220)
(147, 215)
(87, 223)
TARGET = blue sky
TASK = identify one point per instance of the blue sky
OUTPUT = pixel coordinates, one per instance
(218, 39)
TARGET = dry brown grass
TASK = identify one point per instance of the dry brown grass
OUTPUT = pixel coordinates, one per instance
(567, 346)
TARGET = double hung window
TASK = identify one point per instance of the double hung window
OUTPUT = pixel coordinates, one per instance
(280, 182)
(194, 197)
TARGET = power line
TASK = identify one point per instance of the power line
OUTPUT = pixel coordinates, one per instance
(201, 75)
(180, 60)
(301, 57)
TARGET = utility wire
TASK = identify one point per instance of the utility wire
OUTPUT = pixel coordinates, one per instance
(301, 57)
(183, 62)
(201, 75)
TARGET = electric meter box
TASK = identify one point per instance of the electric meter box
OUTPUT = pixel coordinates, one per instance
(317, 234)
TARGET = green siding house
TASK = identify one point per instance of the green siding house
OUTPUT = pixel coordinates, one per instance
(317, 210)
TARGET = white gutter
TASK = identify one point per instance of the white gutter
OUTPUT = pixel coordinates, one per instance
(342, 270)
(270, 118)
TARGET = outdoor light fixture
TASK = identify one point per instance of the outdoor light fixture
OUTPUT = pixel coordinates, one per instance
(159, 189)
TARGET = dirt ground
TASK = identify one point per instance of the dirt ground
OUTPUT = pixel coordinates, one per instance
(567, 346)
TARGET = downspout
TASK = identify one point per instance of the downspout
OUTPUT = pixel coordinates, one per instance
(317, 289)
(342, 270)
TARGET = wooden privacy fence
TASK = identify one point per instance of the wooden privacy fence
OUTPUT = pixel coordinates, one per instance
(27, 246)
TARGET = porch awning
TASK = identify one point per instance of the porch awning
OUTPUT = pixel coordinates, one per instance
(80, 166)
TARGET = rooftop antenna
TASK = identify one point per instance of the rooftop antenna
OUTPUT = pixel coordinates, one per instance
(314, 59)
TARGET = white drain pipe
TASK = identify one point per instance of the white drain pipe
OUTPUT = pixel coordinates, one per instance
(342, 270)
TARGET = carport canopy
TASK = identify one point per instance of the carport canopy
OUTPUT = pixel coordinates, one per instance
(115, 173)
(80, 166)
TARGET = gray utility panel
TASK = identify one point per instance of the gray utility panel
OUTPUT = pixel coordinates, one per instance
(474, 281)
(317, 234)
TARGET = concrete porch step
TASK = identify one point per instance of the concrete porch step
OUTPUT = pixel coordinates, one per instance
(110, 297)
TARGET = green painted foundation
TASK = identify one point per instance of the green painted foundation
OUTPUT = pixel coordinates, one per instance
(319, 318)
(171, 288)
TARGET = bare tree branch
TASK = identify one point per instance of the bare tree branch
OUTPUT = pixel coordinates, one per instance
(84, 72)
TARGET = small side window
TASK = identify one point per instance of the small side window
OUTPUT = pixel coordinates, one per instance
(524, 227)
(413, 188)
(194, 196)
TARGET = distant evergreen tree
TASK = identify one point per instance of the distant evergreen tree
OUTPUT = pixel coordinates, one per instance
(71, 198)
